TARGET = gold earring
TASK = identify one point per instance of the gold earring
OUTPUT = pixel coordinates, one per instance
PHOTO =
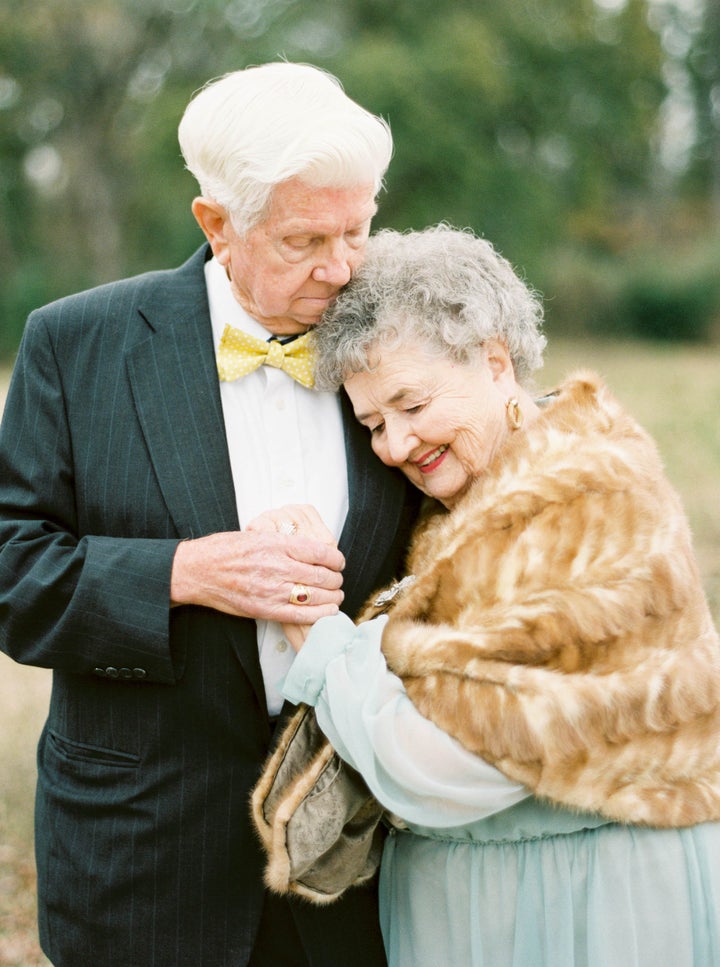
(514, 413)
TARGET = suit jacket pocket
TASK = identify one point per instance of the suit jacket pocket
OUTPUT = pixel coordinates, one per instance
(91, 754)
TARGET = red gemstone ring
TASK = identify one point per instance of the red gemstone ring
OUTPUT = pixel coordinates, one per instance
(300, 594)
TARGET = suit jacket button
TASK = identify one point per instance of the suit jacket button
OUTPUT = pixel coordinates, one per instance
(112, 672)
(139, 673)
(126, 673)
(100, 672)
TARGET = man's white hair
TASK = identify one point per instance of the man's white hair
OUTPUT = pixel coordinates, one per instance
(248, 131)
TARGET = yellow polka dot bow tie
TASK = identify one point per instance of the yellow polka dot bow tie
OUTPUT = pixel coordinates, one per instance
(239, 354)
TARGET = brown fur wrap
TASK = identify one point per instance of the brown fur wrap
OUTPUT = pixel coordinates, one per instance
(557, 625)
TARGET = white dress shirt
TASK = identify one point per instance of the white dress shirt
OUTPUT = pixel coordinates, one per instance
(286, 446)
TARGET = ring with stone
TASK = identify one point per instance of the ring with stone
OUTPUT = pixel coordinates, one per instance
(288, 527)
(300, 594)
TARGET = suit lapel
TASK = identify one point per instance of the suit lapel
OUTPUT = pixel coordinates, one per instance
(377, 500)
(177, 396)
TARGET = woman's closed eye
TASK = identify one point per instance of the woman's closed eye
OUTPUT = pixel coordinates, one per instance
(377, 428)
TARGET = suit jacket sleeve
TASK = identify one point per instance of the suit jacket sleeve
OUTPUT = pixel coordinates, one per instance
(69, 599)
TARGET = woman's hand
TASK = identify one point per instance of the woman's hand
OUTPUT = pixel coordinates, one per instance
(294, 520)
(296, 635)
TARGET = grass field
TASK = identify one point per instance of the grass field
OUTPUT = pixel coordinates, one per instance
(674, 392)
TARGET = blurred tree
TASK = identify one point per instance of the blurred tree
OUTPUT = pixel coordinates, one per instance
(692, 30)
(523, 120)
(535, 122)
(92, 183)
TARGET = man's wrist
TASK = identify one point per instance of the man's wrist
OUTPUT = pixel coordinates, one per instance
(182, 584)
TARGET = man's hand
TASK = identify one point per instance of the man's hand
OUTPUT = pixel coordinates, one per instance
(252, 574)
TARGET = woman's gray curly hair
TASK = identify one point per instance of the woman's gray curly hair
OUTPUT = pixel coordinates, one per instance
(442, 288)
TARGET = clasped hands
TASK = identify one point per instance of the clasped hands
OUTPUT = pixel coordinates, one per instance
(253, 573)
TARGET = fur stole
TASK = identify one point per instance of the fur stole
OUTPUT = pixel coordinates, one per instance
(557, 625)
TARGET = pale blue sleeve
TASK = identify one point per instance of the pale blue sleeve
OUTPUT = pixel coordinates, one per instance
(413, 768)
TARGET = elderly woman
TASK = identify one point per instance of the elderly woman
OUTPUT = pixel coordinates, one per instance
(540, 705)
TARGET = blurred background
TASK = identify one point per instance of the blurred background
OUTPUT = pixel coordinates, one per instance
(582, 137)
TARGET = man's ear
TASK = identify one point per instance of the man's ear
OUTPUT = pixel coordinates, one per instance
(215, 223)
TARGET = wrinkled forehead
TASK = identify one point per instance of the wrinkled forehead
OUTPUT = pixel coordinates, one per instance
(297, 207)
(393, 375)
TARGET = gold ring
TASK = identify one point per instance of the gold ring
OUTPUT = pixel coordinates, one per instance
(300, 594)
(288, 527)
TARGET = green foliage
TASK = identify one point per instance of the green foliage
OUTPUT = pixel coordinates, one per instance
(23, 291)
(511, 119)
(654, 294)
(533, 122)
(662, 303)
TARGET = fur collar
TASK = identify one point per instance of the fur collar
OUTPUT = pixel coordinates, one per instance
(557, 625)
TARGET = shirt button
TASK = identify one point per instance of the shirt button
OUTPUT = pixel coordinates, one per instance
(281, 645)
(280, 404)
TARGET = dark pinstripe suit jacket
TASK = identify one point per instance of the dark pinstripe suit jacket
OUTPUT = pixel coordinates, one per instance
(112, 449)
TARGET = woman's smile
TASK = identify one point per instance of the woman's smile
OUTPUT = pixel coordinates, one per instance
(432, 460)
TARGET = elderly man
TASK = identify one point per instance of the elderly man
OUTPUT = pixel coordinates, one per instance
(148, 423)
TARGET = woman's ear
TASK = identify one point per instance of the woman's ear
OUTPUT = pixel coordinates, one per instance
(215, 223)
(498, 360)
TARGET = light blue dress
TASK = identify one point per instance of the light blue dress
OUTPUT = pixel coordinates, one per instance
(483, 874)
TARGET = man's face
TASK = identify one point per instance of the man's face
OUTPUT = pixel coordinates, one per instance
(290, 267)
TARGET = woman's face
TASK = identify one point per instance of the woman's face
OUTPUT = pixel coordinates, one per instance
(439, 421)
